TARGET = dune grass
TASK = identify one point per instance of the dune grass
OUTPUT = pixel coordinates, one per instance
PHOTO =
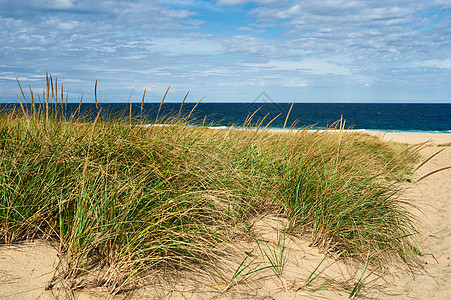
(129, 198)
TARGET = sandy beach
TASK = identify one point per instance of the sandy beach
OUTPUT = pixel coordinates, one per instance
(26, 269)
(414, 138)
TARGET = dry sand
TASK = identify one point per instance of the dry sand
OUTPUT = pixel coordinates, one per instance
(26, 269)
(414, 138)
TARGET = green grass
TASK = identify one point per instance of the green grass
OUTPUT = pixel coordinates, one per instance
(131, 199)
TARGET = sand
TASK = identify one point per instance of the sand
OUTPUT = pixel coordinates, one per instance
(414, 138)
(26, 269)
(433, 196)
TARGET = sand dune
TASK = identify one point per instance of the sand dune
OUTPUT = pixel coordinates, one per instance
(25, 270)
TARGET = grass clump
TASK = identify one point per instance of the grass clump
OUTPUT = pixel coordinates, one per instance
(129, 198)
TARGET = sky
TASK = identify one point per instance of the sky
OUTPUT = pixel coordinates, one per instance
(230, 50)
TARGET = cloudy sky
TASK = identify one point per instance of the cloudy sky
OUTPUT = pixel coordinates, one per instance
(230, 50)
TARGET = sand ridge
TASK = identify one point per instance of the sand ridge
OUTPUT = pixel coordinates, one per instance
(26, 269)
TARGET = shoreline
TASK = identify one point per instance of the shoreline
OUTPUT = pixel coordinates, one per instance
(361, 130)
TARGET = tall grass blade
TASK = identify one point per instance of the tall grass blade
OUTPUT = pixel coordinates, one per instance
(181, 105)
(311, 277)
(95, 95)
(47, 97)
(142, 102)
(293, 125)
(65, 103)
(340, 138)
(56, 93)
(192, 110)
(21, 106)
(433, 172)
(249, 120)
(51, 85)
(39, 99)
(361, 282)
(428, 159)
(260, 124)
(269, 123)
(33, 107)
(130, 112)
(161, 103)
(23, 95)
(288, 115)
(79, 105)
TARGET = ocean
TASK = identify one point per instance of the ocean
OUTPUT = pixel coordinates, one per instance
(423, 118)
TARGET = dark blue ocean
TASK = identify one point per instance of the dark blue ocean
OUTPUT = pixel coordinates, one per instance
(432, 118)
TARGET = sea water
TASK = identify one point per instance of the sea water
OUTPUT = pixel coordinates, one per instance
(394, 117)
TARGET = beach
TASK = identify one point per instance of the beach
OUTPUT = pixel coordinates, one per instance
(26, 269)
(414, 138)
(432, 195)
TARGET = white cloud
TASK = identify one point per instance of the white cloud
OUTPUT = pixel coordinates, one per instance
(312, 66)
(435, 63)
(63, 4)
(288, 13)
(185, 46)
(250, 45)
(232, 2)
(295, 83)
(250, 29)
(242, 2)
(12, 77)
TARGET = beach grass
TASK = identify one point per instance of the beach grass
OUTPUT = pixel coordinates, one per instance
(119, 195)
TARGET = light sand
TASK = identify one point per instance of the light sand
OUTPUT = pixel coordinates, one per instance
(26, 269)
(433, 196)
(414, 138)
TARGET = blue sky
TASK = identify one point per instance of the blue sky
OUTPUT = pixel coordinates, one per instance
(230, 50)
